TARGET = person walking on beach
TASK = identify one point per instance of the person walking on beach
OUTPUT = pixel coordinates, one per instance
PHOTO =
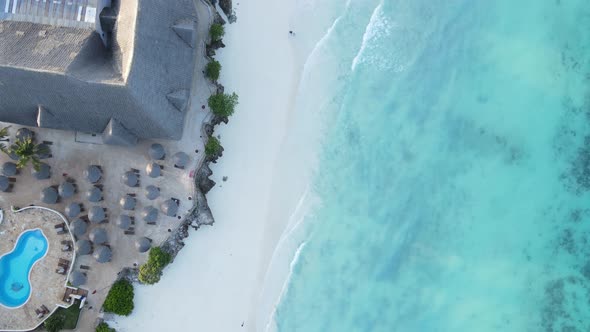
(292, 33)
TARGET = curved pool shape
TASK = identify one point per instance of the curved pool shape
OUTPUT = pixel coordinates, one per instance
(15, 267)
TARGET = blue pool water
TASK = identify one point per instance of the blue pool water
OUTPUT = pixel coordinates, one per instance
(16, 266)
(454, 176)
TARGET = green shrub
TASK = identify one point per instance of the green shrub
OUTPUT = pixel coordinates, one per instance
(217, 31)
(104, 327)
(222, 104)
(120, 298)
(54, 323)
(213, 147)
(150, 272)
(213, 69)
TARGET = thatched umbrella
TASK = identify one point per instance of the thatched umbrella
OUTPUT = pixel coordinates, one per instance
(66, 190)
(169, 207)
(73, 210)
(181, 159)
(98, 236)
(4, 183)
(78, 227)
(153, 170)
(77, 278)
(149, 214)
(83, 247)
(143, 244)
(102, 254)
(130, 179)
(9, 169)
(92, 173)
(127, 202)
(24, 133)
(96, 214)
(156, 151)
(49, 195)
(43, 173)
(124, 222)
(152, 192)
(94, 194)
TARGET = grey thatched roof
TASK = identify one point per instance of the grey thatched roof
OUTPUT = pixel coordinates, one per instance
(49, 195)
(149, 214)
(78, 227)
(66, 190)
(94, 194)
(124, 222)
(24, 133)
(102, 254)
(4, 183)
(143, 244)
(43, 173)
(92, 174)
(181, 159)
(153, 170)
(169, 207)
(77, 278)
(83, 247)
(73, 210)
(130, 179)
(96, 214)
(9, 169)
(127, 202)
(152, 192)
(156, 151)
(143, 80)
(98, 236)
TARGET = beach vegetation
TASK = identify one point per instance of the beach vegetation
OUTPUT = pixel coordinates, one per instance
(104, 327)
(212, 70)
(216, 32)
(64, 318)
(119, 300)
(213, 147)
(222, 104)
(27, 152)
(3, 138)
(151, 271)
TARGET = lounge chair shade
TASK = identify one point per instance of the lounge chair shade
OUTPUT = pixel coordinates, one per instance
(143, 244)
(45, 151)
(4, 183)
(102, 254)
(96, 214)
(180, 159)
(124, 222)
(98, 236)
(152, 192)
(9, 169)
(83, 247)
(43, 173)
(127, 202)
(92, 174)
(73, 210)
(94, 194)
(130, 179)
(169, 208)
(24, 133)
(78, 227)
(77, 278)
(149, 214)
(66, 190)
(153, 170)
(156, 151)
(49, 195)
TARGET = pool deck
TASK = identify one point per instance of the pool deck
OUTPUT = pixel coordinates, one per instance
(47, 286)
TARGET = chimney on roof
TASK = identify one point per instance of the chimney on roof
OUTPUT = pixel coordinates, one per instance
(108, 18)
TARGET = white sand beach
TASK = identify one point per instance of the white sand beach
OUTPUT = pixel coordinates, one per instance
(215, 282)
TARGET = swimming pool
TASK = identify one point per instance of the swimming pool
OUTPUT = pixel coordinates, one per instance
(15, 267)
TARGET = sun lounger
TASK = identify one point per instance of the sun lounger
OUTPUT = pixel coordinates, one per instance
(151, 223)
(84, 267)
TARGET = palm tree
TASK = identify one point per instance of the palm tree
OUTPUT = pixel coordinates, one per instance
(3, 138)
(27, 151)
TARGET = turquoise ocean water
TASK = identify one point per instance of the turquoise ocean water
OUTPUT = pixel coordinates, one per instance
(454, 174)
